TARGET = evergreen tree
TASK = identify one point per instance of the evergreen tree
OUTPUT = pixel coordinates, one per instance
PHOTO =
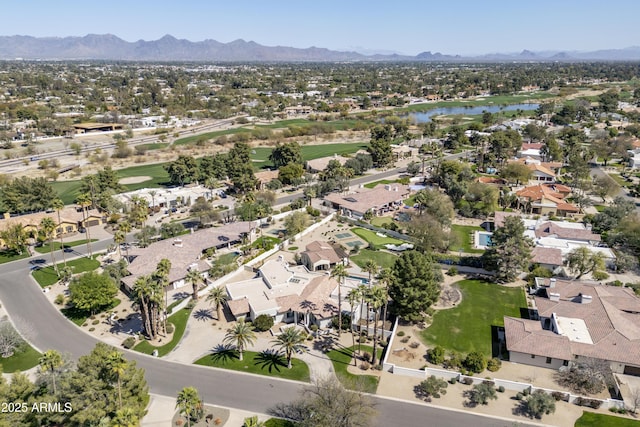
(509, 252)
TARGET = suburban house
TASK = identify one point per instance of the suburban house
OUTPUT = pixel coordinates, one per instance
(72, 220)
(634, 158)
(547, 199)
(531, 150)
(290, 294)
(560, 236)
(577, 320)
(265, 176)
(403, 152)
(184, 252)
(377, 200)
(323, 256)
(540, 171)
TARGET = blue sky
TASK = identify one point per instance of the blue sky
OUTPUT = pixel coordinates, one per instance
(409, 27)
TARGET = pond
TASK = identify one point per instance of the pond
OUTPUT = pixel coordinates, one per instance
(423, 117)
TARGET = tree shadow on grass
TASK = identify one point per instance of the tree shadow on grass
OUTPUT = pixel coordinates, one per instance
(271, 360)
(203, 314)
(224, 353)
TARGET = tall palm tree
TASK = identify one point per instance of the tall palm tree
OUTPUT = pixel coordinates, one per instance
(84, 201)
(51, 361)
(125, 227)
(188, 402)
(125, 417)
(58, 205)
(117, 365)
(354, 296)
(377, 297)
(241, 335)
(339, 272)
(118, 240)
(218, 297)
(195, 278)
(385, 278)
(142, 290)
(364, 297)
(372, 268)
(153, 193)
(48, 226)
(290, 340)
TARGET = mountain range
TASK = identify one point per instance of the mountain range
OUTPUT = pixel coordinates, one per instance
(169, 48)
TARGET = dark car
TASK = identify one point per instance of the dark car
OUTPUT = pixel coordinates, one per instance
(38, 261)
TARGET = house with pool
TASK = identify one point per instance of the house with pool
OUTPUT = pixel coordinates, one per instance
(378, 200)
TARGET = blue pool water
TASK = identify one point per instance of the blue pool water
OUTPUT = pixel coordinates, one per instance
(361, 279)
(484, 239)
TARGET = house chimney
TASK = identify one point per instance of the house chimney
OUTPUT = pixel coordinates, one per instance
(552, 283)
(387, 187)
(585, 299)
(553, 296)
(177, 243)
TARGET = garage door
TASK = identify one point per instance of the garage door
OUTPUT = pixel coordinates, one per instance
(632, 370)
(93, 222)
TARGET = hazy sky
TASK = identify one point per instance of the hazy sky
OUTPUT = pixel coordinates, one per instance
(409, 27)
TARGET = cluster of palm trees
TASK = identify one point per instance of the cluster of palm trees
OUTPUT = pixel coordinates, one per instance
(149, 294)
(374, 296)
(242, 335)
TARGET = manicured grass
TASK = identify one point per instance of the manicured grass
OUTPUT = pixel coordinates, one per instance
(464, 238)
(382, 181)
(152, 146)
(179, 321)
(591, 419)
(260, 155)
(383, 259)
(79, 317)
(22, 360)
(599, 208)
(468, 327)
(379, 221)
(620, 180)
(227, 258)
(270, 364)
(373, 239)
(47, 276)
(44, 249)
(341, 359)
(8, 256)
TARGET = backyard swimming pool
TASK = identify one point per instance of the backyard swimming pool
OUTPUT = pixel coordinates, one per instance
(482, 239)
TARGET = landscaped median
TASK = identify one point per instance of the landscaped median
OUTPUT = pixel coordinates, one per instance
(179, 322)
(268, 363)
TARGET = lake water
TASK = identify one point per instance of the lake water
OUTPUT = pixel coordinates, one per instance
(468, 111)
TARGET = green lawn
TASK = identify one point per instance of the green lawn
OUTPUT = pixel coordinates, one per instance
(468, 327)
(383, 259)
(152, 146)
(620, 180)
(22, 360)
(8, 256)
(179, 321)
(260, 155)
(591, 419)
(270, 364)
(47, 276)
(382, 181)
(44, 249)
(464, 238)
(373, 239)
(341, 359)
(379, 221)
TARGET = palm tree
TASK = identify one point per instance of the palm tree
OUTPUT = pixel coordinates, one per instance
(195, 278)
(353, 297)
(377, 298)
(290, 340)
(385, 277)
(339, 272)
(153, 193)
(118, 240)
(48, 226)
(125, 227)
(51, 361)
(241, 335)
(117, 365)
(218, 297)
(372, 268)
(143, 289)
(125, 417)
(84, 201)
(188, 402)
(58, 205)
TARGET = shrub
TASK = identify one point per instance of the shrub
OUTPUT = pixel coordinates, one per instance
(453, 380)
(95, 322)
(435, 355)
(431, 387)
(400, 334)
(493, 364)
(129, 342)
(519, 396)
(467, 381)
(59, 299)
(454, 360)
(599, 275)
(170, 328)
(558, 395)
(591, 403)
(405, 339)
(365, 366)
(452, 271)
(262, 323)
(501, 389)
(482, 393)
(475, 362)
(91, 329)
(414, 344)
